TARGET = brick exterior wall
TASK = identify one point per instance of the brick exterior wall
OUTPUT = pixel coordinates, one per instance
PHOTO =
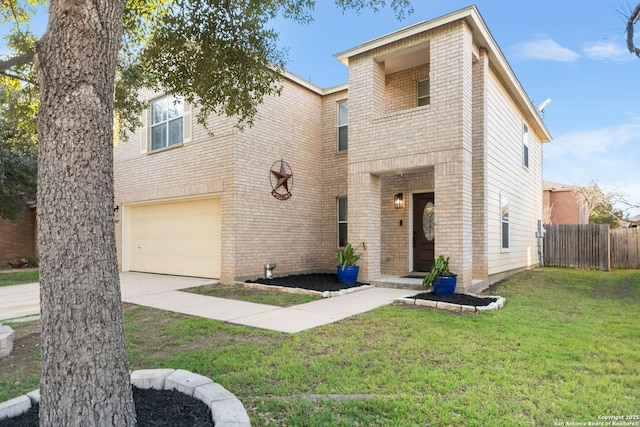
(334, 178)
(235, 167)
(465, 147)
(434, 139)
(565, 207)
(18, 238)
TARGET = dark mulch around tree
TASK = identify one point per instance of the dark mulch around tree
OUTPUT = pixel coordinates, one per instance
(315, 282)
(154, 408)
(461, 299)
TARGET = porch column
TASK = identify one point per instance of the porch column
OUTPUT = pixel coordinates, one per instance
(454, 206)
(364, 221)
(480, 223)
(366, 104)
(452, 57)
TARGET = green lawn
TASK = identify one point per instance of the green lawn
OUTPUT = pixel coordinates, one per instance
(565, 348)
(258, 296)
(19, 277)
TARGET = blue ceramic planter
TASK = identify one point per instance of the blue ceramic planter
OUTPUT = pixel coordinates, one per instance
(445, 285)
(348, 275)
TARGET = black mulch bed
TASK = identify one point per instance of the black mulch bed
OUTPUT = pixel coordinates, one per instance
(461, 299)
(315, 282)
(154, 408)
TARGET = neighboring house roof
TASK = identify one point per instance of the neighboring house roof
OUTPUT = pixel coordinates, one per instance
(555, 186)
(482, 38)
(631, 222)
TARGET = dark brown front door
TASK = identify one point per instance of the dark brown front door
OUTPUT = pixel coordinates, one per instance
(423, 232)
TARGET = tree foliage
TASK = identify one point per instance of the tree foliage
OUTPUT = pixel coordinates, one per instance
(220, 55)
(18, 107)
(18, 173)
(606, 207)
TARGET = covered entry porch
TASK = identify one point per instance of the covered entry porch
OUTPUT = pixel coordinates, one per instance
(434, 217)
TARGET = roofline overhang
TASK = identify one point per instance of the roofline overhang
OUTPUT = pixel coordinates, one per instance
(310, 86)
(483, 39)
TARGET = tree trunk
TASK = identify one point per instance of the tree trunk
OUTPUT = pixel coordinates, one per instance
(85, 379)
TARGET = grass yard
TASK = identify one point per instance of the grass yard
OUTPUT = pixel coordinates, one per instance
(19, 277)
(566, 348)
(258, 296)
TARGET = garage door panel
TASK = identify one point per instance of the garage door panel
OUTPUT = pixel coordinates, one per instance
(181, 238)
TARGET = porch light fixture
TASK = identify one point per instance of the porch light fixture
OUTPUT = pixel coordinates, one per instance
(398, 202)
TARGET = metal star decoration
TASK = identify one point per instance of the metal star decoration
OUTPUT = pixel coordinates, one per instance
(282, 176)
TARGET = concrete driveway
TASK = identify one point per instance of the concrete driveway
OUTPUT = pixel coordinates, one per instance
(159, 291)
(24, 300)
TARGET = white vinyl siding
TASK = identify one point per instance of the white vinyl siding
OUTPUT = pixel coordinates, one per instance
(525, 145)
(505, 173)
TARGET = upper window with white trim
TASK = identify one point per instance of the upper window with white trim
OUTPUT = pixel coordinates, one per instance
(525, 145)
(343, 125)
(424, 95)
(166, 124)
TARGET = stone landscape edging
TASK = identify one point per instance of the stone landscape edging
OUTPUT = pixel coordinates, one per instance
(226, 409)
(288, 290)
(455, 308)
(6, 340)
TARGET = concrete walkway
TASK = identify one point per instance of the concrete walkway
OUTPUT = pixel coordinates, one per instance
(158, 291)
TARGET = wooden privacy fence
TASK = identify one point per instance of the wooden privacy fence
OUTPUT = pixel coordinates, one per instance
(625, 248)
(577, 246)
(591, 246)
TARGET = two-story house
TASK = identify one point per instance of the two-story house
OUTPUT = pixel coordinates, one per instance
(431, 147)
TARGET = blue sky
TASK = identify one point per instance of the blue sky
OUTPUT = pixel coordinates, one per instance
(573, 52)
(570, 51)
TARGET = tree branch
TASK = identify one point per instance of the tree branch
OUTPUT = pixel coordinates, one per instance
(15, 61)
(635, 15)
(18, 77)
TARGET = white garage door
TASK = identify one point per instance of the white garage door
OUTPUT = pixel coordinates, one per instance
(181, 238)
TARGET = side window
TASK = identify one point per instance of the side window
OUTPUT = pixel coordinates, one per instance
(342, 222)
(166, 124)
(343, 123)
(424, 95)
(525, 145)
(504, 220)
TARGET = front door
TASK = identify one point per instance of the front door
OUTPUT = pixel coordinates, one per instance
(423, 231)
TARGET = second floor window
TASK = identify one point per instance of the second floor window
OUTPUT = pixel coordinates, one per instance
(424, 95)
(166, 122)
(343, 122)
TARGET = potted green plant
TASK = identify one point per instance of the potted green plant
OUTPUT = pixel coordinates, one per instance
(443, 280)
(347, 259)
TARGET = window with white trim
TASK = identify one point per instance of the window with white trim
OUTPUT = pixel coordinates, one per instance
(424, 95)
(525, 145)
(166, 125)
(342, 222)
(343, 125)
(504, 221)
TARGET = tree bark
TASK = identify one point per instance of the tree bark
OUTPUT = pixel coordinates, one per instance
(85, 378)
